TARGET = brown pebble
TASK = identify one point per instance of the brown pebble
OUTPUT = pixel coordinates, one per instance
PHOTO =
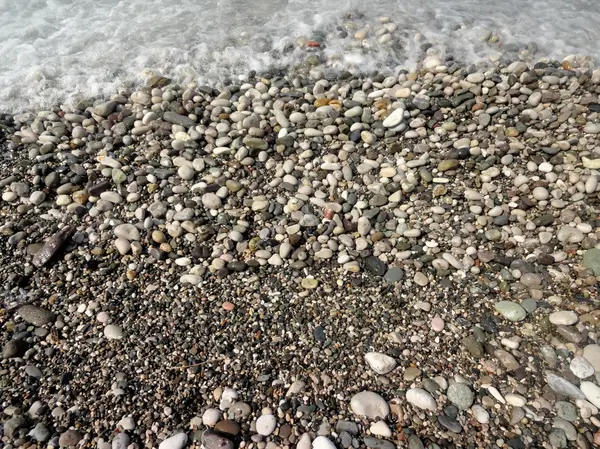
(228, 426)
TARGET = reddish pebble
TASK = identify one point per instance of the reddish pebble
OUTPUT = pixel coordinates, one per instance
(597, 438)
(228, 305)
(437, 324)
(312, 44)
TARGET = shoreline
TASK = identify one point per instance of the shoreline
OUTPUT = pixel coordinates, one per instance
(384, 261)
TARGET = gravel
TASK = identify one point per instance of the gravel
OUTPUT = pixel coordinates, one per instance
(411, 259)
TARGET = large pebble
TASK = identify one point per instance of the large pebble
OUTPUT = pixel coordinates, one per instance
(380, 363)
(36, 315)
(460, 395)
(564, 318)
(177, 441)
(581, 367)
(265, 424)
(592, 354)
(591, 392)
(369, 404)
(322, 442)
(511, 310)
(421, 399)
(562, 386)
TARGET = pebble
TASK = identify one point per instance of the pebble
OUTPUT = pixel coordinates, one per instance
(380, 363)
(113, 332)
(581, 367)
(421, 399)
(460, 395)
(511, 310)
(563, 317)
(369, 404)
(591, 392)
(322, 442)
(266, 424)
(177, 441)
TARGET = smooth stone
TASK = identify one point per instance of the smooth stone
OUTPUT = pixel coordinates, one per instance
(127, 231)
(591, 392)
(113, 332)
(381, 429)
(380, 363)
(69, 438)
(394, 275)
(266, 424)
(481, 414)
(36, 315)
(511, 310)
(460, 395)
(212, 440)
(369, 404)
(563, 317)
(40, 433)
(421, 398)
(322, 442)
(211, 416)
(375, 265)
(566, 410)
(451, 424)
(581, 367)
(394, 119)
(592, 354)
(120, 441)
(591, 260)
(211, 201)
(562, 386)
(177, 441)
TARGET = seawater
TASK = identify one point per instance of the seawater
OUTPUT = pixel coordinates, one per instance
(55, 51)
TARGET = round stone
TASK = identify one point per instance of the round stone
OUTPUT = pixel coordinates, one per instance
(481, 415)
(460, 395)
(265, 424)
(211, 416)
(581, 367)
(369, 404)
(69, 438)
(211, 201)
(511, 310)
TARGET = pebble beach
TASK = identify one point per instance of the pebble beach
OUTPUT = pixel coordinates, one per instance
(310, 258)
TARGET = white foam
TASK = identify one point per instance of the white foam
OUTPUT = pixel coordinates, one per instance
(61, 50)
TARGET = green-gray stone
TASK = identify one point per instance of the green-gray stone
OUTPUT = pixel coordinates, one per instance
(591, 260)
(118, 176)
(233, 185)
(511, 310)
(460, 395)
(448, 164)
(255, 143)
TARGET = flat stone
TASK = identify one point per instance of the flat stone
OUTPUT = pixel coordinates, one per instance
(36, 315)
(448, 164)
(113, 332)
(14, 348)
(369, 404)
(592, 354)
(563, 317)
(507, 359)
(511, 310)
(562, 386)
(473, 346)
(566, 411)
(451, 424)
(375, 265)
(40, 433)
(591, 260)
(394, 119)
(591, 392)
(178, 119)
(228, 426)
(380, 363)
(481, 414)
(421, 398)
(394, 275)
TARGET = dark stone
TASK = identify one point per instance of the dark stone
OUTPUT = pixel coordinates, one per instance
(376, 443)
(14, 348)
(36, 315)
(213, 440)
(375, 265)
(319, 334)
(516, 443)
(451, 424)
